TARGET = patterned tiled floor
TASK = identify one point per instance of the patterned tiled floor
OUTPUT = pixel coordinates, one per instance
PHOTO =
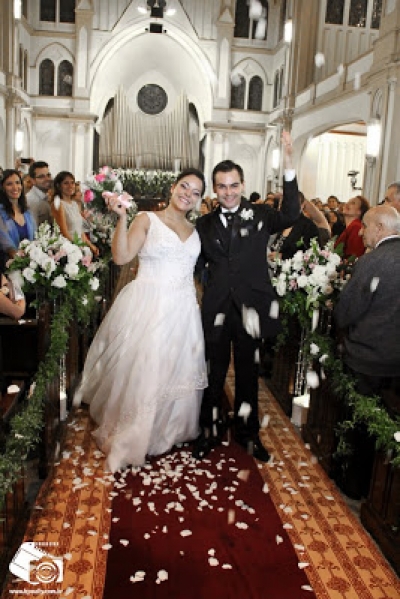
(73, 514)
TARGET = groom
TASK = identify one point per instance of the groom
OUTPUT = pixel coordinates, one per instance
(236, 303)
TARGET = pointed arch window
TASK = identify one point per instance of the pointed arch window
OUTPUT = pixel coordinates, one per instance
(255, 93)
(46, 78)
(65, 78)
(238, 93)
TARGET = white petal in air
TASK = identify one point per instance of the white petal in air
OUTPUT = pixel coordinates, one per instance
(374, 284)
(219, 320)
(244, 410)
(312, 379)
(251, 321)
(274, 309)
(319, 59)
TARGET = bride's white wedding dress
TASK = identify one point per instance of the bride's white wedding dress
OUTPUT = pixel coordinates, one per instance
(145, 369)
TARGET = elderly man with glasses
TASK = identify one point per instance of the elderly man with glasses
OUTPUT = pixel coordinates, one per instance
(37, 197)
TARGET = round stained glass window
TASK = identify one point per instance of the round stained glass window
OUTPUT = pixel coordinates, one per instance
(152, 99)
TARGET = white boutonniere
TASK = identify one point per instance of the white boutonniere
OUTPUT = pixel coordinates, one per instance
(247, 214)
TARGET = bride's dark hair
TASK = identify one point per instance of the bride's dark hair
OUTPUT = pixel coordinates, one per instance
(193, 171)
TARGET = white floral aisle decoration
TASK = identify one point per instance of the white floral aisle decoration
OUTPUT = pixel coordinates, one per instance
(306, 285)
(62, 272)
(53, 268)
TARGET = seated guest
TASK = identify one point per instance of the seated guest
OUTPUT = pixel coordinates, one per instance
(37, 197)
(12, 302)
(66, 212)
(368, 311)
(16, 221)
(350, 240)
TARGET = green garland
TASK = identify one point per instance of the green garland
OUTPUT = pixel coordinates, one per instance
(365, 409)
(27, 425)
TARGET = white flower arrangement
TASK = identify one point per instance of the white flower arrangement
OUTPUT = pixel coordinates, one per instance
(246, 214)
(53, 267)
(308, 280)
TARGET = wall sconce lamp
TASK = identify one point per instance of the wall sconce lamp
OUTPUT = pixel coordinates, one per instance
(19, 140)
(17, 9)
(288, 31)
(276, 158)
(374, 130)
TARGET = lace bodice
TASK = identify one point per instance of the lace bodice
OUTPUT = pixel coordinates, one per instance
(73, 218)
(165, 260)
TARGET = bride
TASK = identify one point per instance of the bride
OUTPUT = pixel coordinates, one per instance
(145, 370)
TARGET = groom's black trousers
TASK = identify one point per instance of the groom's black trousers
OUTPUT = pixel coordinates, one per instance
(232, 335)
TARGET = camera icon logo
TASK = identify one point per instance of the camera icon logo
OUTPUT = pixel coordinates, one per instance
(33, 565)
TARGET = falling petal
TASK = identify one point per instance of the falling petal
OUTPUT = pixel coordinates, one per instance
(226, 567)
(278, 539)
(251, 321)
(274, 309)
(312, 379)
(244, 410)
(261, 28)
(236, 79)
(303, 565)
(219, 320)
(306, 587)
(265, 420)
(107, 547)
(124, 542)
(162, 575)
(255, 9)
(374, 284)
(319, 60)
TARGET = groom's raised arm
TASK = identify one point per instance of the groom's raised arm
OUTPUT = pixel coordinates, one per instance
(290, 206)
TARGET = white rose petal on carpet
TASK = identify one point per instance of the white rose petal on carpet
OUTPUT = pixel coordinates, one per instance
(185, 533)
(213, 561)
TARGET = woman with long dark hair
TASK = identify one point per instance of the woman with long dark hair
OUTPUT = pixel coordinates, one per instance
(16, 220)
(145, 371)
(66, 211)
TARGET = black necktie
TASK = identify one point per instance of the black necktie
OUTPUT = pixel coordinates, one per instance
(229, 219)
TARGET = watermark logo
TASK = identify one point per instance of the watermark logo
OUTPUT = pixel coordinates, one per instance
(33, 565)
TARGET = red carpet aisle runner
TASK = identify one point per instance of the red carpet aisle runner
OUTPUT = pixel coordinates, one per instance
(185, 529)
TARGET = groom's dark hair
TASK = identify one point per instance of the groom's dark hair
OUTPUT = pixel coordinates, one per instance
(226, 166)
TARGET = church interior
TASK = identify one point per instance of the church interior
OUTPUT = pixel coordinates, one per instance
(147, 88)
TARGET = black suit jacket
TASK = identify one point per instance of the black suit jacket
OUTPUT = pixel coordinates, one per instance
(237, 269)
